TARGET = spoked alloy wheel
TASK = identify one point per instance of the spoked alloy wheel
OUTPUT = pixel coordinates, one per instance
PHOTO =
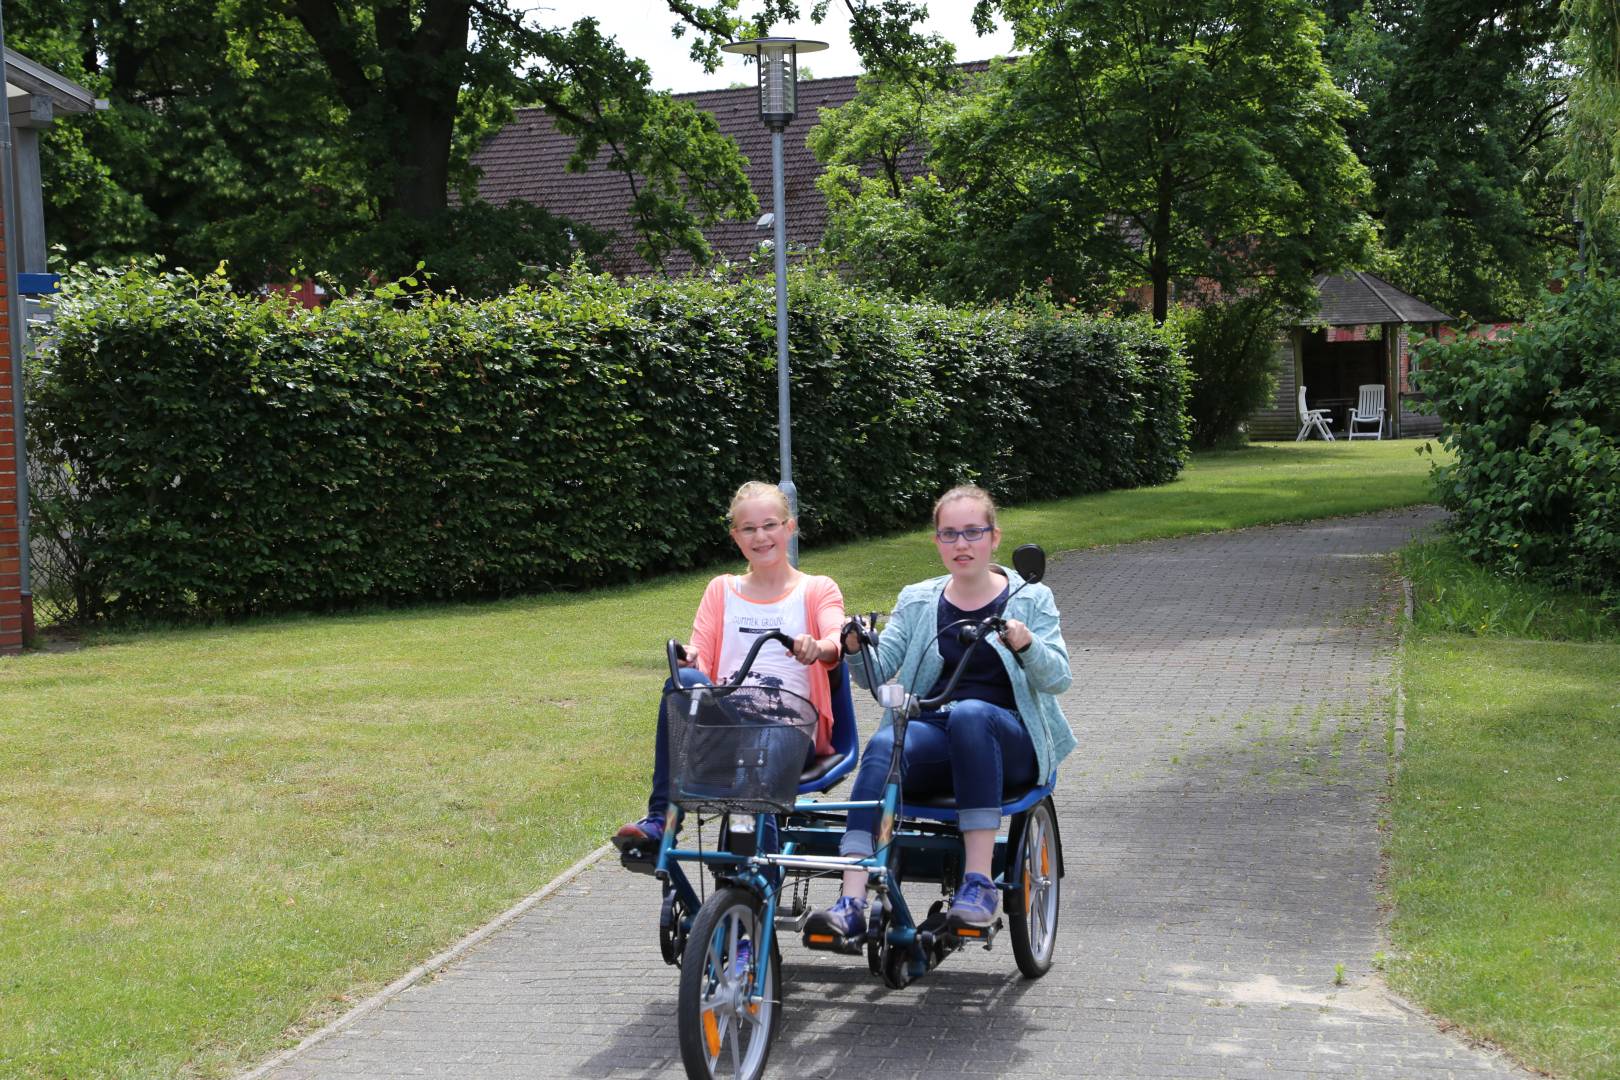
(1033, 911)
(723, 1032)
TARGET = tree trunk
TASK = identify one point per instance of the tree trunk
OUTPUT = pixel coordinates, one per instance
(1159, 247)
(413, 99)
(421, 159)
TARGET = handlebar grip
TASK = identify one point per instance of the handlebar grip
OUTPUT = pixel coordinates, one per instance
(675, 652)
(753, 653)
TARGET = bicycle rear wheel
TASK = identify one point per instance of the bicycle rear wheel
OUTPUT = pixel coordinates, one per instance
(1032, 914)
(724, 1032)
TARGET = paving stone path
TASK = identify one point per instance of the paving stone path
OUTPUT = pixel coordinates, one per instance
(1220, 819)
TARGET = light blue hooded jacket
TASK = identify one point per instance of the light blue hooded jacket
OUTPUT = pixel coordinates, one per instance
(907, 649)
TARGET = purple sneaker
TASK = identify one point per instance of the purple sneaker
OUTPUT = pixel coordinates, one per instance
(975, 904)
(845, 919)
(645, 835)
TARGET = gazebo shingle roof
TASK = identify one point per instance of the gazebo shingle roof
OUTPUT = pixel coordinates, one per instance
(1359, 298)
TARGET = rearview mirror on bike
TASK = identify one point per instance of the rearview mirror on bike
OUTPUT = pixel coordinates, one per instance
(1030, 562)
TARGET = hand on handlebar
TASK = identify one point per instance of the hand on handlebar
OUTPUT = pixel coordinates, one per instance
(689, 657)
(806, 649)
(1015, 635)
(855, 630)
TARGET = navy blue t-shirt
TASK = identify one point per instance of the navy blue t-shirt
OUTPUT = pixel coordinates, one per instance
(985, 678)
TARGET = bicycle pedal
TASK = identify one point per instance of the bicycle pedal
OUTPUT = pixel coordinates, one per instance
(822, 941)
(788, 918)
(638, 862)
(985, 934)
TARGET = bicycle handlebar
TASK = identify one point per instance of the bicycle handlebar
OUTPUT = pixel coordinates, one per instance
(992, 624)
(969, 633)
(677, 652)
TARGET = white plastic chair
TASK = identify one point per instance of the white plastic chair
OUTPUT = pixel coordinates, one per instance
(1369, 409)
(1312, 420)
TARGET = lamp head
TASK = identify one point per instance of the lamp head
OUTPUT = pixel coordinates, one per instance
(778, 63)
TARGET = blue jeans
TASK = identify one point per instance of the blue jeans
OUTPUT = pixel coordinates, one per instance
(978, 750)
(658, 801)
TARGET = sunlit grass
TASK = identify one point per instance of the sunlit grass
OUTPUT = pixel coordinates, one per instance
(212, 838)
(1505, 870)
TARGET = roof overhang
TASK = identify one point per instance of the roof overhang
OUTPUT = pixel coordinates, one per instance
(27, 78)
(1359, 298)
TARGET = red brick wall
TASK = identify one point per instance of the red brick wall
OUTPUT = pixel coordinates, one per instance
(12, 615)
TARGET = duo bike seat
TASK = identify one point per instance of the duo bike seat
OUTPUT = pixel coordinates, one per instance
(942, 807)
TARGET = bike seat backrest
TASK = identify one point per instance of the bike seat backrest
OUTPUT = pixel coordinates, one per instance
(827, 769)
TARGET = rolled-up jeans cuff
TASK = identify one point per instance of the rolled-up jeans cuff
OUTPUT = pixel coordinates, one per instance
(857, 842)
(987, 818)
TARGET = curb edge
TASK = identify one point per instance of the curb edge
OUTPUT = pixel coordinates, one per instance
(427, 967)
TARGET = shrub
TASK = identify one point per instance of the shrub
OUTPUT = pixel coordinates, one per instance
(221, 456)
(1535, 426)
(1231, 349)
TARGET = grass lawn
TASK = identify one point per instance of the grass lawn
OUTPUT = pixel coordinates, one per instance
(1505, 866)
(213, 839)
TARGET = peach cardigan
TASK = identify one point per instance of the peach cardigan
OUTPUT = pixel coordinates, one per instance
(824, 606)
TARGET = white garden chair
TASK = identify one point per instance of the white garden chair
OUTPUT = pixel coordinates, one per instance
(1369, 409)
(1312, 420)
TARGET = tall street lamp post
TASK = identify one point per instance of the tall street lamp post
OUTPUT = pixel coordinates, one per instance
(778, 63)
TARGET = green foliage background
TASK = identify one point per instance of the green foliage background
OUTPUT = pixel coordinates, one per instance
(211, 454)
(1535, 425)
(1231, 351)
(1156, 143)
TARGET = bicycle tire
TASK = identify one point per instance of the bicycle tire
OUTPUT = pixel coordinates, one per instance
(713, 1013)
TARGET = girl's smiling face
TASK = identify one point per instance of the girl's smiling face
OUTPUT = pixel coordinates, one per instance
(761, 530)
(956, 521)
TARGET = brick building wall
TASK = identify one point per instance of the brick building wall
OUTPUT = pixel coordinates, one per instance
(13, 616)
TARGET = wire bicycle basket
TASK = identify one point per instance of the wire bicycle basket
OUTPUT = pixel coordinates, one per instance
(741, 749)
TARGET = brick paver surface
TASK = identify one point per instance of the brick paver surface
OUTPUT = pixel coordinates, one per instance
(1232, 699)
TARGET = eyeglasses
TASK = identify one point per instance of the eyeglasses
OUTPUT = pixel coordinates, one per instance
(769, 528)
(972, 534)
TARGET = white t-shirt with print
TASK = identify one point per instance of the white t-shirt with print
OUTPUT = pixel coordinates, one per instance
(746, 619)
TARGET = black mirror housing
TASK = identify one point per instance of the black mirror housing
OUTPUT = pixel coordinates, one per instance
(1030, 562)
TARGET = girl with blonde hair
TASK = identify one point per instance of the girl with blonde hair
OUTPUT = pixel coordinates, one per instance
(735, 609)
(1002, 728)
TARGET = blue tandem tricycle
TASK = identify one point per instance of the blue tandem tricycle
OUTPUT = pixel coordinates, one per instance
(739, 750)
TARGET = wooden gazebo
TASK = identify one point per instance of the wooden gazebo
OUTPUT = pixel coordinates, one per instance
(1360, 334)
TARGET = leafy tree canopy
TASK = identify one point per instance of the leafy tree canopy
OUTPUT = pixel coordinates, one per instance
(329, 134)
(1463, 106)
(1592, 140)
(1136, 141)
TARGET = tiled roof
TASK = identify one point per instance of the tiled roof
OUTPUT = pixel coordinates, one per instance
(528, 160)
(1358, 298)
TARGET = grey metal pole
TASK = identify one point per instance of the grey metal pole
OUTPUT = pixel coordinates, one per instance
(784, 411)
(17, 313)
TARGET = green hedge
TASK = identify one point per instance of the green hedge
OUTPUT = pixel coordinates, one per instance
(219, 455)
(1535, 426)
(1231, 350)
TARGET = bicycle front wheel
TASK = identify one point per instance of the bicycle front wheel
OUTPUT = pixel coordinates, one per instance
(726, 1016)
